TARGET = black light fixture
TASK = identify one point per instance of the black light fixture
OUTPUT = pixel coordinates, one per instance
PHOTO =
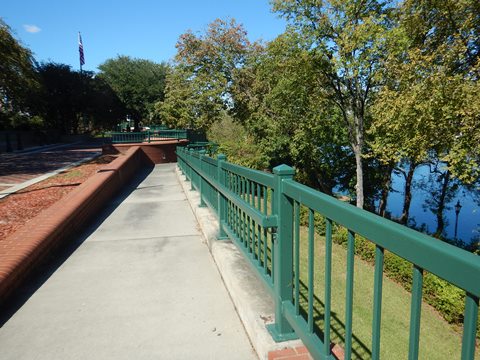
(458, 207)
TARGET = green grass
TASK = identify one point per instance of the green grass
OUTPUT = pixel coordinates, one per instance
(438, 339)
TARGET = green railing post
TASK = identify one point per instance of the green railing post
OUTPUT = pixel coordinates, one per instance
(190, 158)
(180, 161)
(222, 202)
(202, 182)
(283, 255)
(148, 131)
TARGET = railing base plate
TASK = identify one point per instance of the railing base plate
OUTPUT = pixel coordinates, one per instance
(280, 337)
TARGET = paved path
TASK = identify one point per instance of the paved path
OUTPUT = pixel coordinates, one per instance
(18, 170)
(141, 285)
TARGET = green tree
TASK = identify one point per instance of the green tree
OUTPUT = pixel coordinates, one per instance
(188, 102)
(69, 100)
(17, 76)
(60, 97)
(348, 37)
(237, 143)
(101, 108)
(428, 108)
(277, 98)
(199, 87)
(138, 83)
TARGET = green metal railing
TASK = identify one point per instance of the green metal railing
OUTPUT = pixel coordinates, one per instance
(147, 136)
(260, 212)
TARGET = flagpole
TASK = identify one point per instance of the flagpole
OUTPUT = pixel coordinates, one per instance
(80, 49)
(82, 61)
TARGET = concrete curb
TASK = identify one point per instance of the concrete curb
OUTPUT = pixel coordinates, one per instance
(252, 301)
(23, 250)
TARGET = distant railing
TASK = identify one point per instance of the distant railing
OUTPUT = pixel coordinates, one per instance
(147, 136)
(260, 212)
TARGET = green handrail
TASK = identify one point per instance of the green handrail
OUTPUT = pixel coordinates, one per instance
(260, 213)
(148, 136)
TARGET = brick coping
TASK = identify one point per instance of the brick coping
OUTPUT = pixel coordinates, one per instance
(302, 353)
(26, 248)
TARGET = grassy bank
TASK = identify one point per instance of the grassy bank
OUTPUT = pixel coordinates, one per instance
(438, 338)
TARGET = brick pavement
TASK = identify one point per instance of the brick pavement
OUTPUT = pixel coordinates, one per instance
(18, 168)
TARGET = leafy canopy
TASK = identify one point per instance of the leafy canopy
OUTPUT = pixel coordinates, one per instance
(138, 83)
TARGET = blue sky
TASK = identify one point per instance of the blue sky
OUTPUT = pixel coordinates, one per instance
(143, 28)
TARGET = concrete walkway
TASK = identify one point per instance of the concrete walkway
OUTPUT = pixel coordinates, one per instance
(139, 285)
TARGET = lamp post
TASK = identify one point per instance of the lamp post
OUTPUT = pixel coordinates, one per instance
(458, 207)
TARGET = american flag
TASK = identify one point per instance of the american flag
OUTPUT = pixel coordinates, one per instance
(80, 49)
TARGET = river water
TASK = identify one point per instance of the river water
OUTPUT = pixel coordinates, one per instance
(468, 219)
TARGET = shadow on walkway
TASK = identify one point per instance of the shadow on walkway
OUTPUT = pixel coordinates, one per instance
(58, 256)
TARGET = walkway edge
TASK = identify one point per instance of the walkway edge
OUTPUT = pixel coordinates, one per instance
(249, 296)
(23, 250)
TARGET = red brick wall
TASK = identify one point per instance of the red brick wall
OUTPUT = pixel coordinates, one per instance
(157, 153)
(23, 250)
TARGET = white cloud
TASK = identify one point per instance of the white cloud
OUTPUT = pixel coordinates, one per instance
(32, 28)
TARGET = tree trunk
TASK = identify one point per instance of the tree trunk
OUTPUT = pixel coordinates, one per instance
(359, 185)
(408, 194)
(358, 150)
(387, 182)
(136, 124)
(441, 204)
(317, 182)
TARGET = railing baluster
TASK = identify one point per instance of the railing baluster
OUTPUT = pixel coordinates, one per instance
(235, 188)
(328, 285)
(235, 220)
(255, 241)
(259, 197)
(244, 229)
(241, 228)
(311, 237)
(272, 257)
(259, 244)
(265, 250)
(415, 313)
(469, 327)
(265, 190)
(244, 189)
(237, 184)
(272, 197)
(296, 243)
(252, 194)
(239, 223)
(349, 294)
(249, 239)
(377, 302)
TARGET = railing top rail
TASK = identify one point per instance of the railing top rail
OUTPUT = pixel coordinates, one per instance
(255, 214)
(455, 265)
(127, 133)
(254, 175)
(210, 160)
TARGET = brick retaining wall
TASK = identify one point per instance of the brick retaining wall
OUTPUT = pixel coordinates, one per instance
(26, 248)
(158, 152)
